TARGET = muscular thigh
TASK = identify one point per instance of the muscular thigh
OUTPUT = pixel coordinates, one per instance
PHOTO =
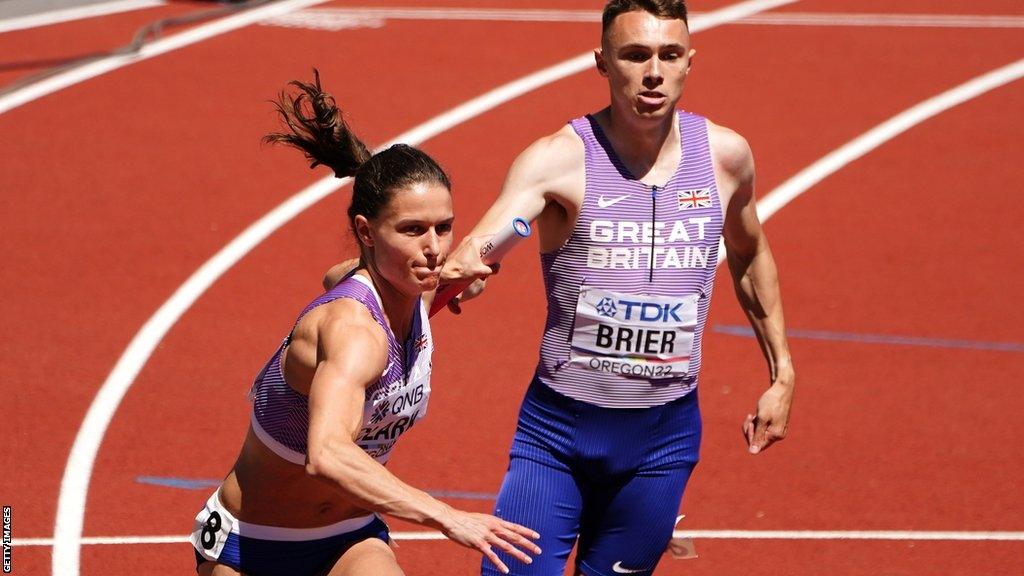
(546, 499)
(214, 569)
(370, 557)
(626, 527)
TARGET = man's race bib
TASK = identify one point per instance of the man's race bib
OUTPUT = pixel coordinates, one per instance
(635, 336)
(211, 528)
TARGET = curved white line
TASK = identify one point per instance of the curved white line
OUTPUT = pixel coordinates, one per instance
(74, 487)
(75, 13)
(198, 34)
(832, 162)
(898, 124)
(78, 470)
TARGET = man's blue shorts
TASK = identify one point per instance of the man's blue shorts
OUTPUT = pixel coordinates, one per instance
(614, 477)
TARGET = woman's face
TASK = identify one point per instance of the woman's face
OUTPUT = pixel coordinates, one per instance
(411, 236)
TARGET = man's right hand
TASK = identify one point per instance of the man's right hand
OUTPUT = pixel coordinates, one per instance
(464, 266)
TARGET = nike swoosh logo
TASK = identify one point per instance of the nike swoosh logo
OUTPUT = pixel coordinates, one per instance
(618, 569)
(605, 203)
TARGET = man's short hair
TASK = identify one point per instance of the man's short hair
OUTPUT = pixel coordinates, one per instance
(674, 9)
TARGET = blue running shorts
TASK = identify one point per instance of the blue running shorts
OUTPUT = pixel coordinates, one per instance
(613, 477)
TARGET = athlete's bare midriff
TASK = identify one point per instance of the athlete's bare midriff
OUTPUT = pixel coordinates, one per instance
(263, 488)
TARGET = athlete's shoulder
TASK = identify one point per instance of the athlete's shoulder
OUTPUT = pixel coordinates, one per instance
(341, 319)
(730, 151)
(552, 164)
(558, 150)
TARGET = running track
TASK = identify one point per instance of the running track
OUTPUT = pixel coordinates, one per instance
(115, 190)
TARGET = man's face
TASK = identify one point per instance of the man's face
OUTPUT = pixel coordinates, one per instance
(645, 59)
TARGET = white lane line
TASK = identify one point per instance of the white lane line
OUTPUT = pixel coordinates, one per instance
(850, 535)
(882, 133)
(76, 13)
(342, 18)
(941, 536)
(198, 34)
(78, 470)
(840, 157)
(885, 20)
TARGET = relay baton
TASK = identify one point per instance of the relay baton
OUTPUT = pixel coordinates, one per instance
(490, 253)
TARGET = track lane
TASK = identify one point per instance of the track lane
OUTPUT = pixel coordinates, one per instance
(473, 435)
(144, 217)
(33, 50)
(984, 7)
(329, 220)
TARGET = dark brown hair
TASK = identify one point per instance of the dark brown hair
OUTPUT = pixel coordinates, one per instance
(317, 127)
(660, 8)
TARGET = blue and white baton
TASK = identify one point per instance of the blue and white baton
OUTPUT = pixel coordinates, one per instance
(490, 253)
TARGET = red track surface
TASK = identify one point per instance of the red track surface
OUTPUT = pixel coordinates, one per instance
(115, 190)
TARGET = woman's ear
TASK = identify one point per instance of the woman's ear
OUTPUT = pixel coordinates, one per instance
(363, 232)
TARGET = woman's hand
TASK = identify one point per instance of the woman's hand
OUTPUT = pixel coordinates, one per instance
(484, 532)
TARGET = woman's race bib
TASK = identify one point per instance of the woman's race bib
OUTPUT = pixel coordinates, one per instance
(211, 528)
(635, 336)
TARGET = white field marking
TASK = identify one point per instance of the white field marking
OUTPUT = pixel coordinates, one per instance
(885, 20)
(341, 18)
(78, 470)
(882, 133)
(942, 536)
(186, 38)
(76, 13)
(840, 157)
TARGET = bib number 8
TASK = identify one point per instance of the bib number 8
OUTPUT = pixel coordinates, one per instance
(208, 537)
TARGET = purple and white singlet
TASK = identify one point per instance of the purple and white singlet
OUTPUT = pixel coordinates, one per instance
(628, 293)
(280, 415)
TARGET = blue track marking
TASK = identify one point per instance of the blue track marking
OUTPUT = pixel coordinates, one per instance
(201, 483)
(878, 339)
(186, 483)
(459, 495)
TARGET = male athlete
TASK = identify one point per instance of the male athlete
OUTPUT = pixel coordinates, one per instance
(631, 202)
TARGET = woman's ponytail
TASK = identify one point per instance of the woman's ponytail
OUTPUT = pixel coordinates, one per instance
(317, 128)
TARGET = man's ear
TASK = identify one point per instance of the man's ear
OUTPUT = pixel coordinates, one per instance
(362, 228)
(602, 67)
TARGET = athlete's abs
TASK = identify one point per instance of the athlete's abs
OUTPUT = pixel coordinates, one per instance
(262, 488)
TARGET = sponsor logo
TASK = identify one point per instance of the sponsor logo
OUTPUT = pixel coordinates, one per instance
(618, 569)
(603, 202)
(380, 412)
(606, 307)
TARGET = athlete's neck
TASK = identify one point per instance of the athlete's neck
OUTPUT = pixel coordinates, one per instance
(398, 307)
(646, 146)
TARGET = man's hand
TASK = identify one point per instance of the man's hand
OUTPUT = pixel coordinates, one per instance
(464, 267)
(772, 420)
(464, 262)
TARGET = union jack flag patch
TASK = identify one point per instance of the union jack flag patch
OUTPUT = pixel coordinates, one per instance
(690, 199)
(421, 343)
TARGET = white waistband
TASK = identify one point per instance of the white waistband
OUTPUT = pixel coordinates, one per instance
(275, 446)
(263, 532)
